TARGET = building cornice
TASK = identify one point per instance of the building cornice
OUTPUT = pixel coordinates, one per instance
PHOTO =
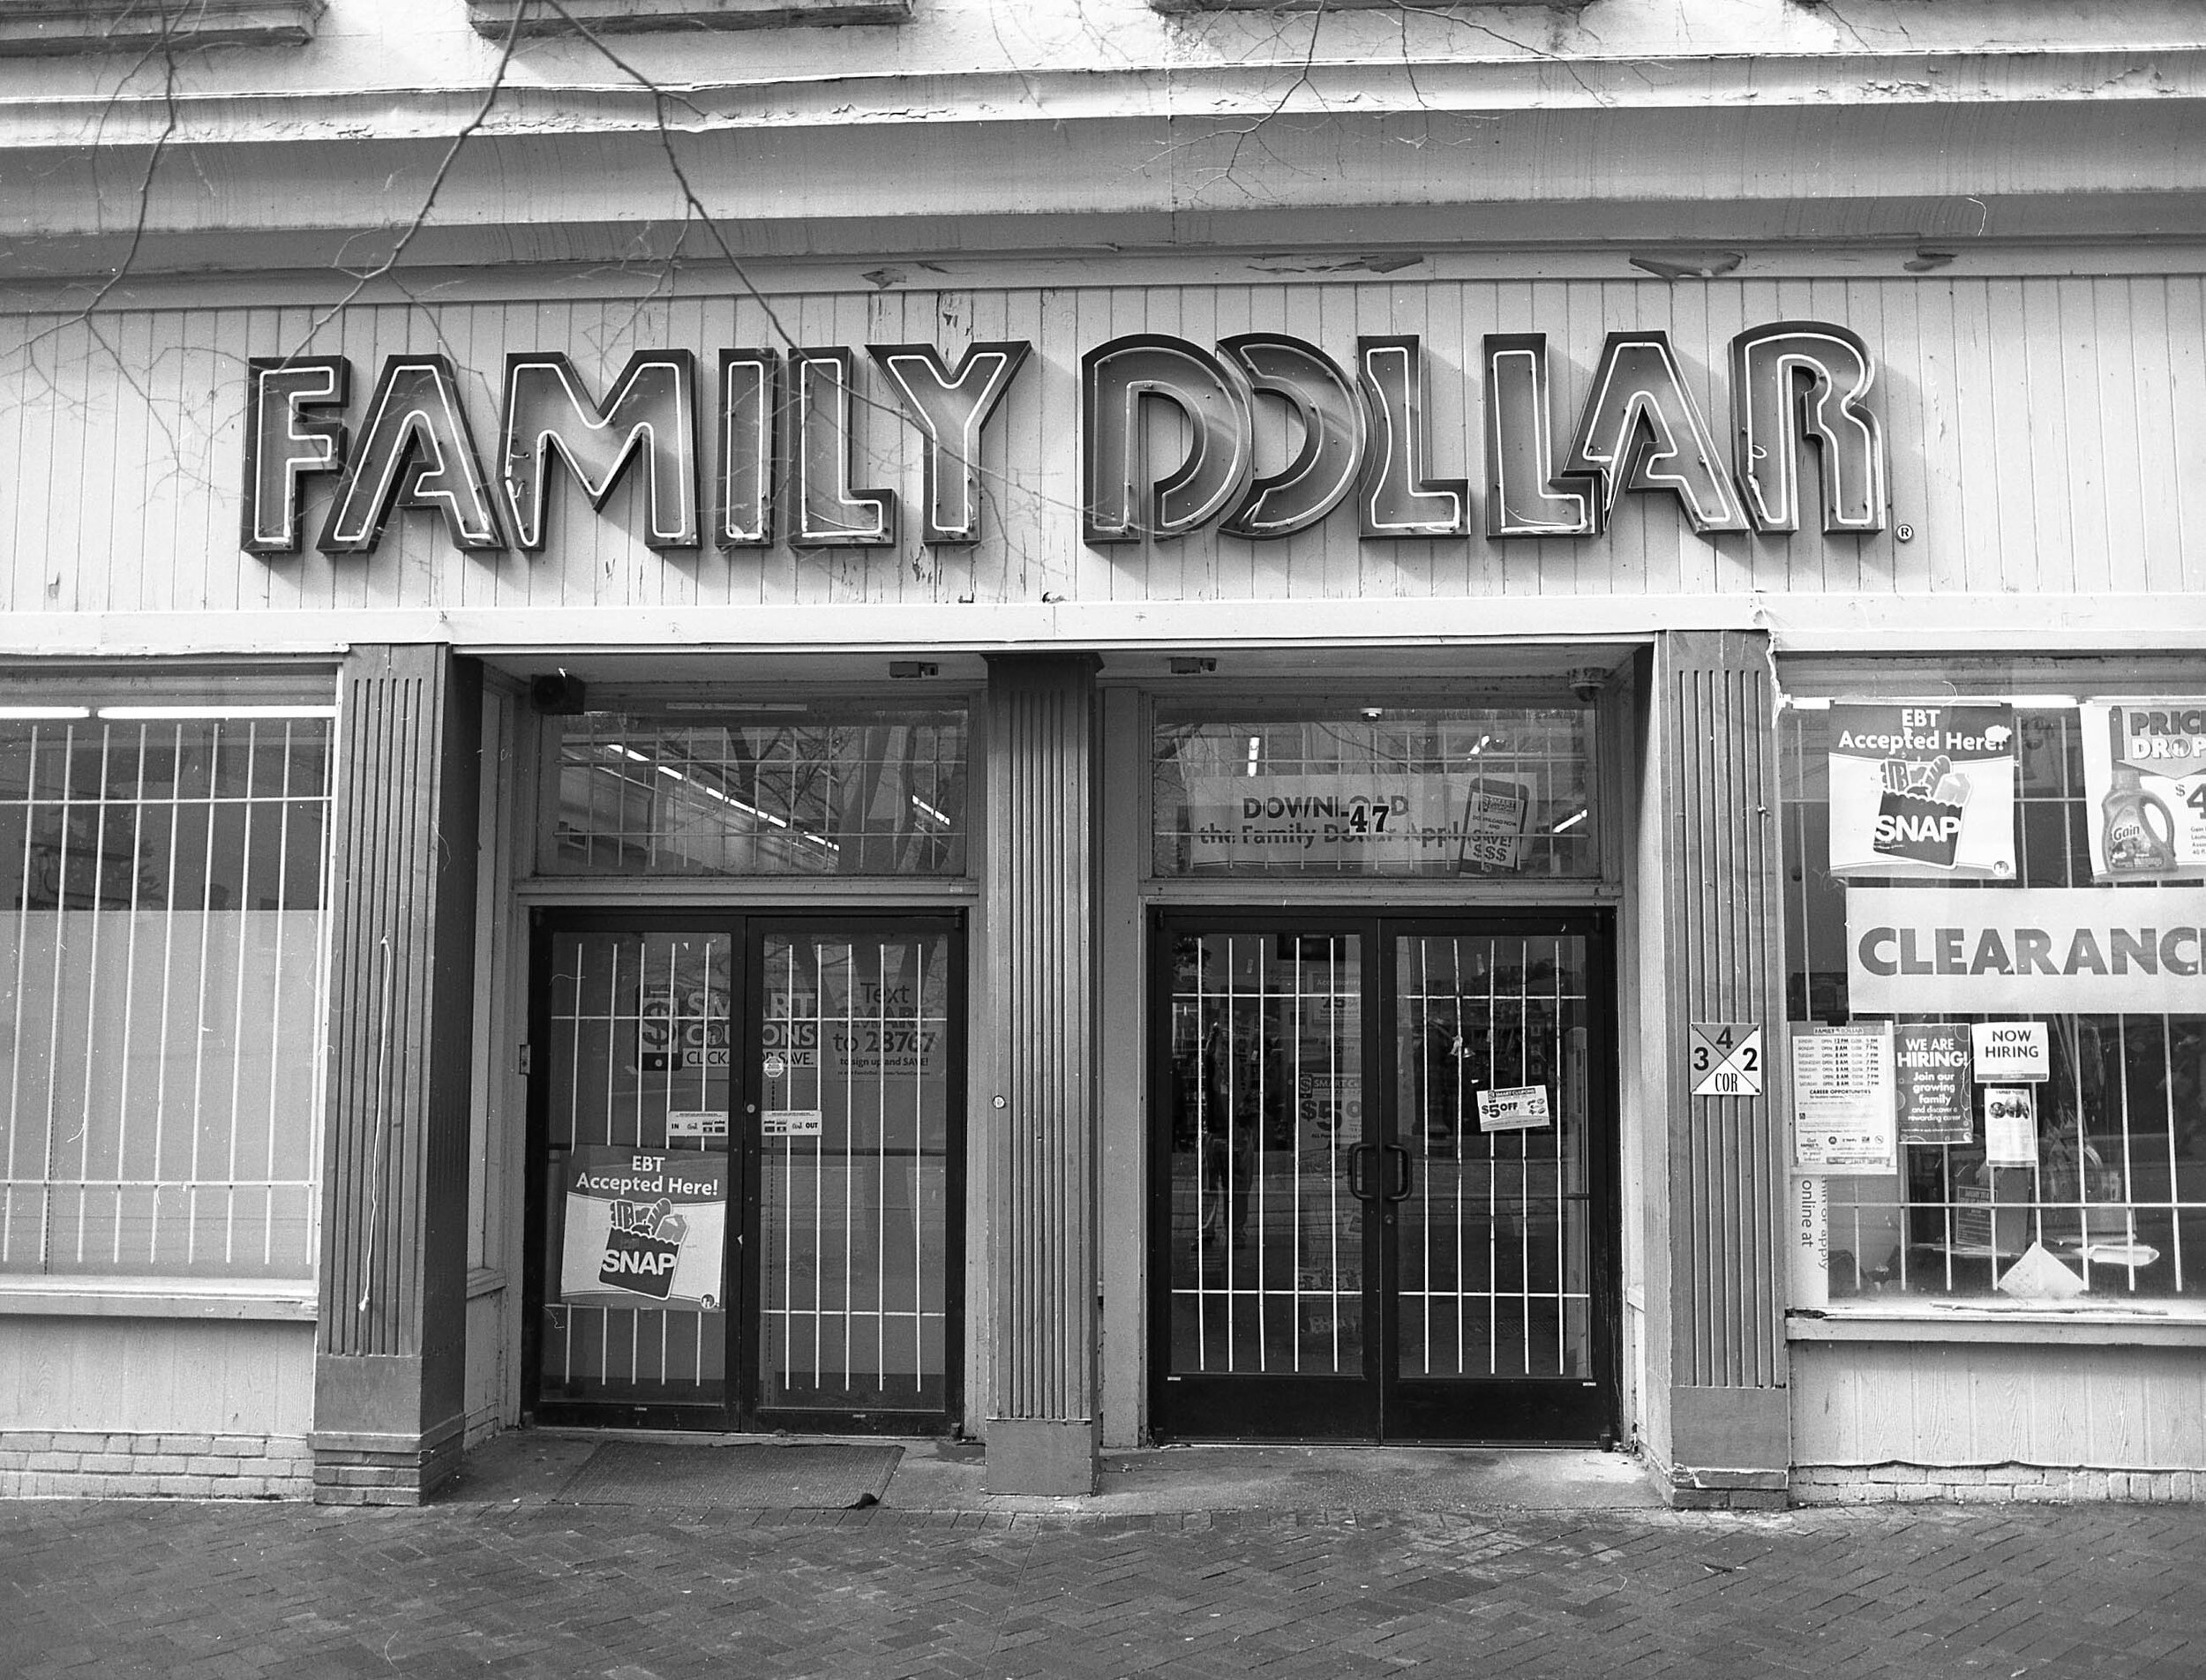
(2006, 148)
(1359, 85)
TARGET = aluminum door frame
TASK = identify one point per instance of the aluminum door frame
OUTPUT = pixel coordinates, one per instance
(1288, 1409)
(746, 927)
(949, 925)
(1540, 1410)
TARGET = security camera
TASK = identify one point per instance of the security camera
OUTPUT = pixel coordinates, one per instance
(1586, 682)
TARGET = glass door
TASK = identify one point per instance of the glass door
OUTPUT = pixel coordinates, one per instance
(1263, 1236)
(744, 1173)
(1494, 1222)
(1422, 1253)
(631, 1070)
(860, 1032)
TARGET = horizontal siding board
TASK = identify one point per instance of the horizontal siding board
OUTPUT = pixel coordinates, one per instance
(156, 1375)
(2034, 427)
(1985, 1403)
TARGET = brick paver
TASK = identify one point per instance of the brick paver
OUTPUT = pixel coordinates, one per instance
(212, 1592)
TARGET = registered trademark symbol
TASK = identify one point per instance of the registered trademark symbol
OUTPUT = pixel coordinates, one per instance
(1905, 533)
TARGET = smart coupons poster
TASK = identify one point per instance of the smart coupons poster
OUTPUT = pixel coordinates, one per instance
(1922, 790)
(644, 1229)
(2144, 788)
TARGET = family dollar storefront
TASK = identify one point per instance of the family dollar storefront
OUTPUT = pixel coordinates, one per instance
(1537, 860)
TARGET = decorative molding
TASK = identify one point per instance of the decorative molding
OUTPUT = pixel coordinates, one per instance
(282, 1300)
(2175, 1325)
(527, 18)
(54, 26)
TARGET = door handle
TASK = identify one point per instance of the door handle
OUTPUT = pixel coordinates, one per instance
(1359, 1159)
(1400, 1154)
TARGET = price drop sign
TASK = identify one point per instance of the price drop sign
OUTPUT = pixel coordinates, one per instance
(1726, 1059)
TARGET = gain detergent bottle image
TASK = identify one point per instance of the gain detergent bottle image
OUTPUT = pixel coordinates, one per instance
(2137, 830)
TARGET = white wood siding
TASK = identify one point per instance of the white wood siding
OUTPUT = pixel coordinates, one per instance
(1979, 1403)
(2036, 428)
(155, 1376)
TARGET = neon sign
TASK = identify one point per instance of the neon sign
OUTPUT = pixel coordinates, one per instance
(789, 427)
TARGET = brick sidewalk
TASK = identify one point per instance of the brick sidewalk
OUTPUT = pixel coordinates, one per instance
(198, 1592)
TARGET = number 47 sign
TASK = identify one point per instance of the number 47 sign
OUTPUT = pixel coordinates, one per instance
(1726, 1059)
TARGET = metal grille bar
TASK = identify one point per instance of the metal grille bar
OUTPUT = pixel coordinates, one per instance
(164, 991)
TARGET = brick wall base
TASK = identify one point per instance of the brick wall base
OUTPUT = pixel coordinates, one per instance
(385, 1469)
(99, 1464)
(1988, 1484)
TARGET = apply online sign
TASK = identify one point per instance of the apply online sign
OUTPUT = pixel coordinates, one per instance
(2029, 950)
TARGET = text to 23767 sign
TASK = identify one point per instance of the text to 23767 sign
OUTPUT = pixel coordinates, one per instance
(1725, 1059)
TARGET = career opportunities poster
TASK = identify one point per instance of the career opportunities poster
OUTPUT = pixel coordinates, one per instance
(1922, 790)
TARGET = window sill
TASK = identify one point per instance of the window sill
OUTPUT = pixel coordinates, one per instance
(2175, 1324)
(280, 1300)
(53, 26)
(496, 18)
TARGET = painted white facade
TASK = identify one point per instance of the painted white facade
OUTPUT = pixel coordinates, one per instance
(2008, 224)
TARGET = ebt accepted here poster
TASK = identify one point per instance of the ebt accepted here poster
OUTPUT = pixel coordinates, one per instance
(644, 1230)
(1922, 790)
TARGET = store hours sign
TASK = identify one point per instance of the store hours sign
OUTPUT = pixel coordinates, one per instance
(762, 445)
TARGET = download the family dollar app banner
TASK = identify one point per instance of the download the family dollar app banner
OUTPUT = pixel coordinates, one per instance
(1377, 823)
(1922, 790)
(644, 1230)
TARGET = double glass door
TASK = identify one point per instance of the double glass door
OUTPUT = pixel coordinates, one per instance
(744, 1170)
(1384, 1201)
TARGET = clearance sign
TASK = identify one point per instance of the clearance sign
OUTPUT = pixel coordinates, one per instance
(2034, 950)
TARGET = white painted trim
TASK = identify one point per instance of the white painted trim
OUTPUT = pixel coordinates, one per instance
(1895, 623)
(278, 1299)
(846, 95)
(1016, 256)
(807, 892)
(2173, 1326)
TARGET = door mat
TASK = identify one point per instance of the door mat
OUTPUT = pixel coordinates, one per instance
(749, 1476)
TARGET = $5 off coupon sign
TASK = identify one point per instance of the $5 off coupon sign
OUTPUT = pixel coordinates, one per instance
(1725, 1059)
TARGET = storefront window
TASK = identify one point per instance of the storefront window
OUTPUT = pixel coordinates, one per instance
(1993, 909)
(1316, 790)
(160, 1000)
(794, 789)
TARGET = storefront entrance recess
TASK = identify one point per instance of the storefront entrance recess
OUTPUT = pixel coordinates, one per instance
(1383, 1202)
(744, 1171)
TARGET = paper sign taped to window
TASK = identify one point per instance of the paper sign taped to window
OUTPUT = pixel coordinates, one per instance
(1513, 1108)
(643, 1229)
(2010, 1125)
(1493, 824)
(1844, 1112)
(696, 1122)
(2012, 1052)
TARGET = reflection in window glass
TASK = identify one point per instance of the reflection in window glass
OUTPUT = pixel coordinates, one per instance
(800, 790)
(161, 1002)
(1492, 791)
(2117, 1193)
